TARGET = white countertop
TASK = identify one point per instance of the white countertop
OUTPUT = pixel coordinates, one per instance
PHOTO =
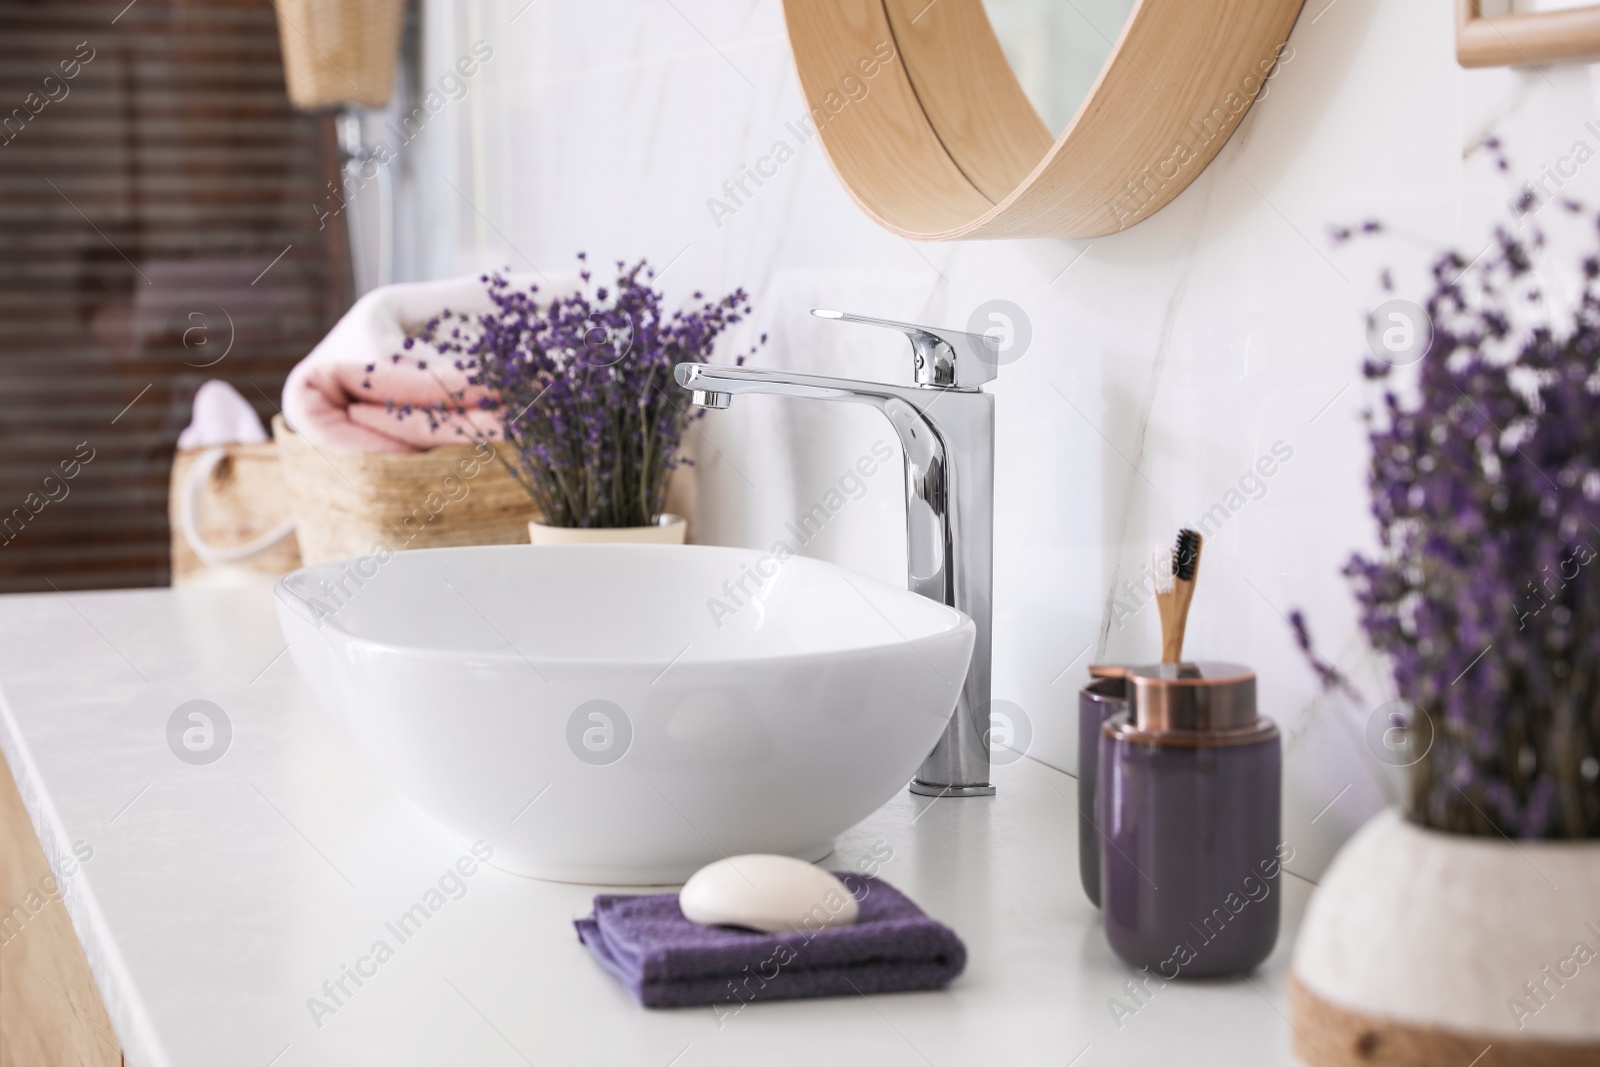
(220, 898)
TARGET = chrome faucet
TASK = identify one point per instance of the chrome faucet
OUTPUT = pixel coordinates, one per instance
(946, 427)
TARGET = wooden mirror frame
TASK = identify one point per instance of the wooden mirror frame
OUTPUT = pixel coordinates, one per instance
(1523, 40)
(925, 124)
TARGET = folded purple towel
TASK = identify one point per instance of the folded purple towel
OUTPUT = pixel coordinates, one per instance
(666, 961)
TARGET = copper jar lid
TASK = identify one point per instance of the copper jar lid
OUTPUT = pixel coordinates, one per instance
(1201, 703)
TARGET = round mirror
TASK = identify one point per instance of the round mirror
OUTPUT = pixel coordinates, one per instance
(950, 119)
(1057, 50)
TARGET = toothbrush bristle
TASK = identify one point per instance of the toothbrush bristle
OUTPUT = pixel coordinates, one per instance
(1186, 555)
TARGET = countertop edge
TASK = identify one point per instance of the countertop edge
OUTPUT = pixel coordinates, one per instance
(130, 1018)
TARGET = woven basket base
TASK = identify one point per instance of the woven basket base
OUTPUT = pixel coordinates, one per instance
(245, 499)
(347, 503)
(339, 51)
(1328, 1035)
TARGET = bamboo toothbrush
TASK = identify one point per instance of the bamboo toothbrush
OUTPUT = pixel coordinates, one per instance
(1174, 591)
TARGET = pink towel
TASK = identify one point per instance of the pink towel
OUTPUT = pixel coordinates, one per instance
(341, 396)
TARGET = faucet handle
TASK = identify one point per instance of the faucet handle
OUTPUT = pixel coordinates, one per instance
(950, 359)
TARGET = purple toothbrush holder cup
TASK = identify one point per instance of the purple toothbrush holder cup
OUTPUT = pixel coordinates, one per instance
(1187, 803)
(1101, 699)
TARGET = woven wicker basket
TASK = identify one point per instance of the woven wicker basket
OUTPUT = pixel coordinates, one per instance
(339, 51)
(346, 502)
(238, 501)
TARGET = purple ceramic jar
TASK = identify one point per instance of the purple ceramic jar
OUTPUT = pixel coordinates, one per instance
(1187, 799)
(1098, 701)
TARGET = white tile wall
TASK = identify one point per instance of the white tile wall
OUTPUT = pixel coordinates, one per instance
(1164, 360)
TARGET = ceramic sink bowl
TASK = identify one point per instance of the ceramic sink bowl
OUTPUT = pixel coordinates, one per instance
(628, 713)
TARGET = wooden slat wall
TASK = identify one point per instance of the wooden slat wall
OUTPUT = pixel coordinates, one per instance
(137, 213)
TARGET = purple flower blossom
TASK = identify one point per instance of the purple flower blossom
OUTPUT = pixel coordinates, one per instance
(1485, 484)
(585, 388)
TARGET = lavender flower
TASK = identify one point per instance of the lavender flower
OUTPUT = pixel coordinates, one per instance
(1485, 484)
(584, 386)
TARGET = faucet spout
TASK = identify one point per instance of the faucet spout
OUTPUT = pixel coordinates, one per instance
(706, 398)
(947, 436)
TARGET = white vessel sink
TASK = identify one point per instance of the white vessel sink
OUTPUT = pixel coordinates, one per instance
(586, 711)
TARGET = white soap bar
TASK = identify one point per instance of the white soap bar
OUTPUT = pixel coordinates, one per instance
(774, 894)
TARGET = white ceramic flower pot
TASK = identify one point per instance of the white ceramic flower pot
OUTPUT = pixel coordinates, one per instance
(668, 530)
(1424, 948)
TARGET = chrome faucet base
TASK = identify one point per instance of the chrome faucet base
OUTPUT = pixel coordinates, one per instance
(924, 789)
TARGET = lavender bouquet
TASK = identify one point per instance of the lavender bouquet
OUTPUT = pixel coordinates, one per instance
(584, 386)
(1485, 483)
